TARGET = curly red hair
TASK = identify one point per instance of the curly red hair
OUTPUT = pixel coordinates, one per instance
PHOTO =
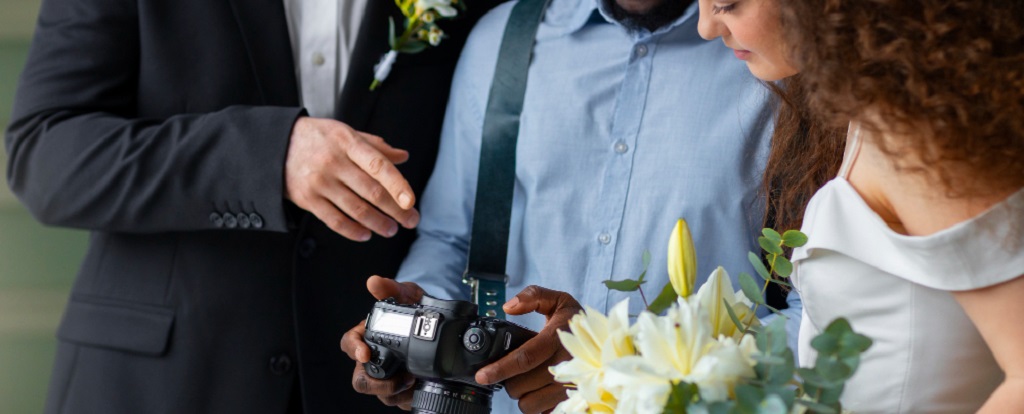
(945, 76)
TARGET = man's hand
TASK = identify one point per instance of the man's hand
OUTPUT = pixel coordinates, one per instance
(525, 370)
(396, 391)
(348, 179)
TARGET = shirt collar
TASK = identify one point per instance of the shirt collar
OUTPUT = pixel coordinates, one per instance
(573, 15)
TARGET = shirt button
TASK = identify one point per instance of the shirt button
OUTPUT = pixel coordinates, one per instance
(604, 238)
(216, 219)
(281, 364)
(641, 50)
(621, 147)
(318, 59)
(307, 247)
(230, 221)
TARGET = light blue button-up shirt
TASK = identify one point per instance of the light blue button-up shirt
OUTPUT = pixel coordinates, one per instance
(622, 133)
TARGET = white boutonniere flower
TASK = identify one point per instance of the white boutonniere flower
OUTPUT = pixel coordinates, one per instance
(421, 31)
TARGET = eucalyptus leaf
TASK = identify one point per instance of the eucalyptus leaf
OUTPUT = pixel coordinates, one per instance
(855, 342)
(682, 395)
(784, 391)
(732, 315)
(825, 343)
(772, 235)
(783, 267)
(748, 396)
(769, 246)
(832, 370)
(391, 32)
(816, 407)
(758, 265)
(625, 285)
(839, 327)
(646, 259)
(794, 238)
(750, 289)
(413, 46)
(664, 300)
(772, 404)
(780, 282)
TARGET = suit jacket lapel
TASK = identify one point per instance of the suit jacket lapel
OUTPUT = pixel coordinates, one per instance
(356, 101)
(265, 32)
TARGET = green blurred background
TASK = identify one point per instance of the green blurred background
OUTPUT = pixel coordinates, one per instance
(37, 264)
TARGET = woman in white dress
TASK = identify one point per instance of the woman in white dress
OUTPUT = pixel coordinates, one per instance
(919, 238)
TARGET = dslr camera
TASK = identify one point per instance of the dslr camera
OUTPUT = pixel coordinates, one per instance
(443, 343)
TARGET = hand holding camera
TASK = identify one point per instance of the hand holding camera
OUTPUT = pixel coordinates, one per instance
(525, 370)
(447, 369)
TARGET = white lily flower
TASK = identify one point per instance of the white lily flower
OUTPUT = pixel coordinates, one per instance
(573, 405)
(640, 388)
(680, 347)
(710, 299)
(674, 343)
(717, 372)
(594, 341)
(442, 7)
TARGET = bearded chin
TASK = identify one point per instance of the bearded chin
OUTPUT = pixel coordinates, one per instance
(663, 13)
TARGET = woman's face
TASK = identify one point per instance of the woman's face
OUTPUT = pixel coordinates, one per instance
(753, 30)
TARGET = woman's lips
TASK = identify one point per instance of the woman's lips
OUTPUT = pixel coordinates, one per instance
(741, 54)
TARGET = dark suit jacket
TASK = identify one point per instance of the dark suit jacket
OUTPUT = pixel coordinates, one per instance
(161, 126)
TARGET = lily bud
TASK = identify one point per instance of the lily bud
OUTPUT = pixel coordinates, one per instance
(682, 260)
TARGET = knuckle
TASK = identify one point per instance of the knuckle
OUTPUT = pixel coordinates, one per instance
(360, 212)
(337, 224)
(378, 194)
(376, 165)
(532, 291)
(316, 180)
(360, 382)
(524, 361)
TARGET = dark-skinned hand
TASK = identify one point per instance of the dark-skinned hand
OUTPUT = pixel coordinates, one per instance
(395, 391)
(525, 370)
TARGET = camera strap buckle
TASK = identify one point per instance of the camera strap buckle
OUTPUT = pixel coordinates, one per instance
(487, 291)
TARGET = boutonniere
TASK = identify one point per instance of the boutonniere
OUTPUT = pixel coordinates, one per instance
(421, 31)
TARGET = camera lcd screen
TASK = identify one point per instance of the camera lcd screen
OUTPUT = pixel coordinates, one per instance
(390, 322)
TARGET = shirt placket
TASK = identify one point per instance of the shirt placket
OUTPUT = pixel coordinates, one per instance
(627, 119)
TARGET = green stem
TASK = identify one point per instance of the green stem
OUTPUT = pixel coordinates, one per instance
(413, 26)
(643, 297)
(764, 290)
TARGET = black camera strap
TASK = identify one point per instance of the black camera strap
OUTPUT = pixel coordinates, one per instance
(488, 246)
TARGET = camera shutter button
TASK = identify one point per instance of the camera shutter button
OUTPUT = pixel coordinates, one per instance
(474, 339)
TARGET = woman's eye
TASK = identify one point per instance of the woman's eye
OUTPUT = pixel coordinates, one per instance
(722, 9)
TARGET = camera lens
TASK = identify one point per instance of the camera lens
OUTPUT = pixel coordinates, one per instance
(446, 397)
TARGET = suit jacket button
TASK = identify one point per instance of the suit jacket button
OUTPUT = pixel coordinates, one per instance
(307, 247)
(243, 220)
(280, 364)
(230, 221)
(216, 219)
(256, 220)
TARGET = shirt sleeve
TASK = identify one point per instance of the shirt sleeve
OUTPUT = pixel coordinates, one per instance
(793, 314)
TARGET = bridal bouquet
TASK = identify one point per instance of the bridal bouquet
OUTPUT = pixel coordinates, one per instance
(703, 351)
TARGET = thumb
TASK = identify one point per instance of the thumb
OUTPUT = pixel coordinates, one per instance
(383, 288)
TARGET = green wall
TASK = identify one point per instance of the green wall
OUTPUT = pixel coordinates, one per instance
(37, 264)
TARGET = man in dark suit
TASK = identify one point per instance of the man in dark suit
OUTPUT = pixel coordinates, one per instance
(174, 132)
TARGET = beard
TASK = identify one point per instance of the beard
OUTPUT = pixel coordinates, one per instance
(665, 12)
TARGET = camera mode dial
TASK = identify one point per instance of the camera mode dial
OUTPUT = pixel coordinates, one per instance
(475, 339)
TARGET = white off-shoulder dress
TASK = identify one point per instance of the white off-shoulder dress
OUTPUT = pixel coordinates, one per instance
(927, 356)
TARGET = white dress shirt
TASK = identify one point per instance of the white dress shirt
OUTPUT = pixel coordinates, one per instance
(323, 34)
